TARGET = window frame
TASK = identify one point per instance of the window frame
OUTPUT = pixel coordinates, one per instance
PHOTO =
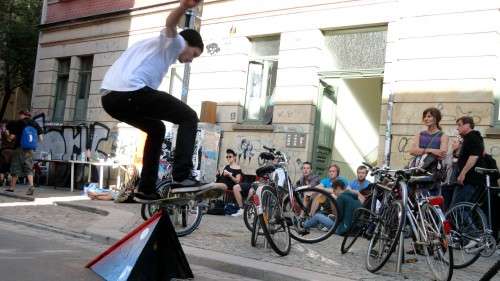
(61, 94)
(87, 75)
(267, 78)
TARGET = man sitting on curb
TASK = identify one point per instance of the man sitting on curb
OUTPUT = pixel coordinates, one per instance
(347, 202)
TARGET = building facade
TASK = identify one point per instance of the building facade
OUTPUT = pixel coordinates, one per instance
(313, 78)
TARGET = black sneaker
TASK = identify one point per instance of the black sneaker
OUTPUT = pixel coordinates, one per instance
(145, 197)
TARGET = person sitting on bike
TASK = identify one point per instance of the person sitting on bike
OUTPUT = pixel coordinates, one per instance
(230, 179)
(130, 95)
(347, 202)
(307, 177)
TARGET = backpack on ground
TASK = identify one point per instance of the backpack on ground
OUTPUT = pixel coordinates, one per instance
(29, 138)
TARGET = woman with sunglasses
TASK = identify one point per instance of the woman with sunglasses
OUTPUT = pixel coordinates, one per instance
(230, 179)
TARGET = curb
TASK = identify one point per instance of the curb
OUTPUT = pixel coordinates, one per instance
(220, 261)
(253, 268)
(18, 196)
(83, 208)
(47, 228)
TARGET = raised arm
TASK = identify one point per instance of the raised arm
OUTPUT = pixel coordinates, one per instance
(176, 15)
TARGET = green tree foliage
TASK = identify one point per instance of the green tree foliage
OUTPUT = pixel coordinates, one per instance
(19, 21)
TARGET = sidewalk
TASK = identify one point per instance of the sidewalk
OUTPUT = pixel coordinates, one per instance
(221, 242)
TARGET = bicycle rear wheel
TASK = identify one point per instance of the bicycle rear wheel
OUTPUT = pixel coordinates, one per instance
(273, 223)
(314, 216)
(438, 252)
(359, 226)
(468, 224)
(385, 237)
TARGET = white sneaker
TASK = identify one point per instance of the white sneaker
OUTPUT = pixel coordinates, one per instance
(471, 244)
(238, 214)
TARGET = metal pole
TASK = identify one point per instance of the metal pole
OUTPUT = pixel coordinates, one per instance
(388, 131)
(188, 24)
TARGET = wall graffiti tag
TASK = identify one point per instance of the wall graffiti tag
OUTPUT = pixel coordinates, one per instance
(62, 141)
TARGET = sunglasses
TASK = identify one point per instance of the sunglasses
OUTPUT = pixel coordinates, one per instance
(229, 157)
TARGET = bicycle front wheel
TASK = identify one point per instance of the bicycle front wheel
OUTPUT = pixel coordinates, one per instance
(468, 225)
(314, 215)
(385, 237)
(360, 224)
(249, 214)
(273, 223)
(438, 252)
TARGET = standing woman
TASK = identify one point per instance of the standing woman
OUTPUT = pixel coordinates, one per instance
(431, 141)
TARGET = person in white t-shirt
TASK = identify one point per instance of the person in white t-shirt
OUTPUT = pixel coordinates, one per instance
(130, 95)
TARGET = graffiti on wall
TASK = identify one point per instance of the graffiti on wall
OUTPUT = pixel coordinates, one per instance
(248, 149)
(62, 141)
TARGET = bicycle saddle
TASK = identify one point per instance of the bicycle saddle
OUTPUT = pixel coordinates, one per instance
(262, 171)
(421, 180)
(484, 171)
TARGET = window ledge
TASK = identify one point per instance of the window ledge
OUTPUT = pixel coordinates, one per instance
(493, 133)
(253, 127)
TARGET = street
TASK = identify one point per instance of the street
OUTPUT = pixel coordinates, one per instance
(28, 254)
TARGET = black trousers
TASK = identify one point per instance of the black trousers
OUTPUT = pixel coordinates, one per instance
(144, 109)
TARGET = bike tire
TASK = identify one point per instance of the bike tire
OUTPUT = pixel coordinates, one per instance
(271, 220)
(255, 231)
(386, 218)
(329, 201)
(491, 272)
(193, 226)
(357, 229)
(249, 213)
(461, 258)
(440, 253)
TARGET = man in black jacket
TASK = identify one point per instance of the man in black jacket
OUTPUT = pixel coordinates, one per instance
(22, 159)
(472, 148)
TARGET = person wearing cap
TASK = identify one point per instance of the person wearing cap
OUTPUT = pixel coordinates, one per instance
(130, 95)
(22, 159)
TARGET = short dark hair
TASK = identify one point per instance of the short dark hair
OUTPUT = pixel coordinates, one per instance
(467, 120)
(336, 168)
(362, 167)
(338, 183)
(193, 38)
(230, 151)
(307, 163)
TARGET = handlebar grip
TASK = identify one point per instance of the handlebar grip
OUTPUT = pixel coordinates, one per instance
(368, 165)
(268, 148)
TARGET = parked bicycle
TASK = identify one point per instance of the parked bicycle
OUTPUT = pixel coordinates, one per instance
(286, 212)
(471, 234)
(426, 222)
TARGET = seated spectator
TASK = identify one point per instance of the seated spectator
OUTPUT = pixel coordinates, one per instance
(96, 193)
(347, 202)
(333, 175)
(360, 183)
(307, 177)
(230, 179)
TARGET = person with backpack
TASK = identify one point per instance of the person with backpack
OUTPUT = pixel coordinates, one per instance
(26, 133)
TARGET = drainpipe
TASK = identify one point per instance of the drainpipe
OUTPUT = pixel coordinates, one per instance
(43, 19)
(190, 17)
(388, 131)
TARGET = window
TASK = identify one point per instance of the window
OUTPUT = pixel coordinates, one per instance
(82, 94)
(261, 79)
(61, 89)
(356, 51)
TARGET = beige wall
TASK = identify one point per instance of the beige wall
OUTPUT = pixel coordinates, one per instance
(439, 53)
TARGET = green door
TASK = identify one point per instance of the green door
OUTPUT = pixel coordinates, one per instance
(325, 127)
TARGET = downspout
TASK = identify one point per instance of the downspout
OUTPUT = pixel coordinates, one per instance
(388, 131)
(43, 19)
